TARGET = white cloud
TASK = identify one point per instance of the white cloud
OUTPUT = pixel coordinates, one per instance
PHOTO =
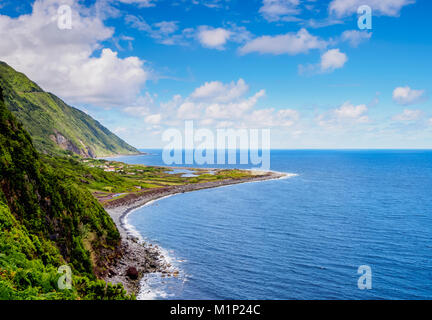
(355, 37)
(217, 38)
(142, 106)
(341, 8)
(238, 34)
(330, 60)
(232, 110)
(189, 111)
(408, 115)
(333, 59)
(166, 27)
(290, 43)
(138, 23)
(216, 104)
(407, 96)
(349, 111)
(346, 114)
(153, 119)
(329, 21)
(66, 62)
(274, 10)
(269, 118)
(211, 3)
(219, 92)
(168, 33)
(164, 32)
(214, 38)
(141, 3)
(137, 110)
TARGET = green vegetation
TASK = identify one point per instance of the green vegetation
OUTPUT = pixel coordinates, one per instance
(51, 201)
(23, 275)
(55, 127)
(47, 219)
(109, 180)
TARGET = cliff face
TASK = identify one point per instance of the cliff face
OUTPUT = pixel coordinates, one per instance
(47, 220)
(54, 126)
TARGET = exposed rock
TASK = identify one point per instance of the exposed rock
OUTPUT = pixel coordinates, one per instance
(132, 273)
(65, 144)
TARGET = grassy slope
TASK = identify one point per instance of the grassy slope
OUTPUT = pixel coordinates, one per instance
(43, 114)
(47, 220)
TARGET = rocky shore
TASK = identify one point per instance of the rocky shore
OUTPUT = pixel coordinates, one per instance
(140, 258)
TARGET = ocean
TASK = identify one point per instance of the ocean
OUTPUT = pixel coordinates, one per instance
(304, 237)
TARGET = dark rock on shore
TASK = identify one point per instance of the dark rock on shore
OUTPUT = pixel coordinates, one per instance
(132, 273)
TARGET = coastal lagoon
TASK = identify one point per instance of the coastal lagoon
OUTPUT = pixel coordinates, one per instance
(303, 237)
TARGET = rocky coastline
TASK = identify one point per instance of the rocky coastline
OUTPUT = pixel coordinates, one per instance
(138, 257)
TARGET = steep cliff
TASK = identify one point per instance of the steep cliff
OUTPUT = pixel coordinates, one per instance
(54, 126)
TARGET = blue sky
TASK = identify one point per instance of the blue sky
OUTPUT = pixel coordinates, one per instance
(302, 68)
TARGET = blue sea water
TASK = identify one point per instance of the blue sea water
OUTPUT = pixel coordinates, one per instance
(303, 237)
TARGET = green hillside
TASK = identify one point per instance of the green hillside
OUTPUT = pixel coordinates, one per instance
(54, 126)
(48, 220)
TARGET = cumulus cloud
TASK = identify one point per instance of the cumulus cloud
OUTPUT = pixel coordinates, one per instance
(274, 10)
(349, 111)
(408, 115)
(341, 8)
(330, 60)
(214, 38)
(217, 104)
(355, 37)
(219, 92)
(346, 114)
(333, 59)
(233, 109)
(290, 43)
(217, 38)
(71, 63)
(407, 96)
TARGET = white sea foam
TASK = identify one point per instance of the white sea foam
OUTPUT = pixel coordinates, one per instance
(286, 175)
(150, 285)
(153, 286)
